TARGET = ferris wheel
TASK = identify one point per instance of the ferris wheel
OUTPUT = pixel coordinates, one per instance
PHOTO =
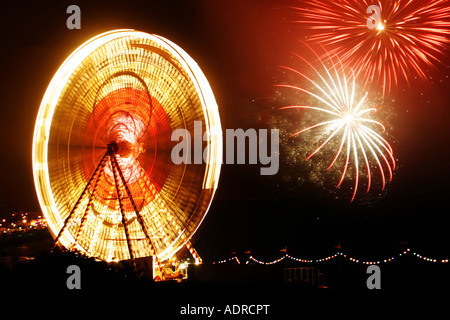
(102, 148)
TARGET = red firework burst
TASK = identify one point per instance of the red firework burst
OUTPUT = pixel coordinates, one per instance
(384, 41)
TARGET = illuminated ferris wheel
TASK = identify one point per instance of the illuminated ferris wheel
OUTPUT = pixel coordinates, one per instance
(102, 148)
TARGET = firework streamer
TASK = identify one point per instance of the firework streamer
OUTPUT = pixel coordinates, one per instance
(383, 41)
(350, 136)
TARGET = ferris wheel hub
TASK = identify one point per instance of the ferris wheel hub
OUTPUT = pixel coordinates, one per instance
(112, 148)
(125, 149)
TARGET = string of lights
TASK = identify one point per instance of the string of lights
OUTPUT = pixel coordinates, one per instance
(430, 259)
(374, 262)
(227, 260)
(271, 262)
(341, 254)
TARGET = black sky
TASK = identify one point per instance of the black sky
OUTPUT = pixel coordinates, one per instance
(238, 45)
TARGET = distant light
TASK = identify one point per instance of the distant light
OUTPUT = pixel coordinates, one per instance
(380, 27)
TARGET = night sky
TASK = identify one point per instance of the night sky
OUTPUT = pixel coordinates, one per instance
(239, 45)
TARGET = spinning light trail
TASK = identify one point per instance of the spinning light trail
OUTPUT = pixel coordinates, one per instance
(101, 148)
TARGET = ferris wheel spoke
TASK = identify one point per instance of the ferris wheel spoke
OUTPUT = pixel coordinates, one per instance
(83, 194)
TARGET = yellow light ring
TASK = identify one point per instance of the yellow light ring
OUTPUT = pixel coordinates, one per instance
(176, 84)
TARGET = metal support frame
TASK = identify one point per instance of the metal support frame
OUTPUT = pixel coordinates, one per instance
(83, 220)
(118, 176)
(122, 212)
(138, 214)
(96, 172)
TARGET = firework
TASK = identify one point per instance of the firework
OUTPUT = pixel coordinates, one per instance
(346, 127)
(384, 40)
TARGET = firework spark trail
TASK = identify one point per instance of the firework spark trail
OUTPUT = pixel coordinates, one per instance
(348, 123)
(411, 36)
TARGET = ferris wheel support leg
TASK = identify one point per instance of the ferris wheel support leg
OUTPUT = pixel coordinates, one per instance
(83, 220)
(122, 212)
(96, 172)
(138, 215)
(195, 255)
